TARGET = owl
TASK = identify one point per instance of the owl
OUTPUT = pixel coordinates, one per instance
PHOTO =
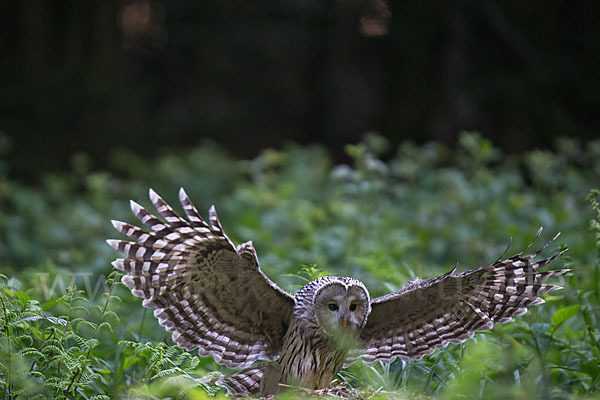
(213, 297)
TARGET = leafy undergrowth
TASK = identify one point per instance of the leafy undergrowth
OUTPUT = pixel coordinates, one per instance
(69, 329)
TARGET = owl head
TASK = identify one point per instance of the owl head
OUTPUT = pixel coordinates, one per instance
(341, 304)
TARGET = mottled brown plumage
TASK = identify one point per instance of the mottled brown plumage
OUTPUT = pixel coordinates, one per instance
(213, 296)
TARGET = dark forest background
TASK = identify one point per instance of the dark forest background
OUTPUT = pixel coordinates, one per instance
(89, 76)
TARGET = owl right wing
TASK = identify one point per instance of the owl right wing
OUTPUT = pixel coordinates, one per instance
(429, 314)
(211, 295)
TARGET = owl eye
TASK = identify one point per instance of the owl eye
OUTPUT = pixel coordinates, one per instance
(333, 306)
(352, 306)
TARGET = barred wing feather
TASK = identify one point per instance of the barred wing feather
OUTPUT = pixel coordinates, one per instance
(211, 295)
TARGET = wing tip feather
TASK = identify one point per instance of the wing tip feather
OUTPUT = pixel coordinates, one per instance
(536, 301)
(539, 232)
(135, 207)
(118, 225)
(182, 194)
(154, 197)
(118, 264)
(114, 243)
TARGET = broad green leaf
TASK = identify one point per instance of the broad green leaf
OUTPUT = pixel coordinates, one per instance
(563, 314)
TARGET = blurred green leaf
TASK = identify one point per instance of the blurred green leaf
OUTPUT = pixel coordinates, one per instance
(563, 314)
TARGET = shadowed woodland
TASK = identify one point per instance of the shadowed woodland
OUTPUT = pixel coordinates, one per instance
(91, 76)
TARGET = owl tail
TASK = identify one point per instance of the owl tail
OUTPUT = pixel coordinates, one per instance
(243, 383)
(263, 380)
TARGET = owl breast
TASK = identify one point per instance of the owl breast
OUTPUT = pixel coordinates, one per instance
(309, 359)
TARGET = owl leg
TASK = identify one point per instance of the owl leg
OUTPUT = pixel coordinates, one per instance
(271, 379)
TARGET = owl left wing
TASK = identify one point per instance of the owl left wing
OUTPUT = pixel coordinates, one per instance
(429, 314)
(212, 295)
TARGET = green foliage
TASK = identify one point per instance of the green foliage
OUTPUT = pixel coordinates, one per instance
(564, 314)
(382, 221)
(74, 353)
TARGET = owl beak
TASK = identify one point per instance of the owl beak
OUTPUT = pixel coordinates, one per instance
(345, 322)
